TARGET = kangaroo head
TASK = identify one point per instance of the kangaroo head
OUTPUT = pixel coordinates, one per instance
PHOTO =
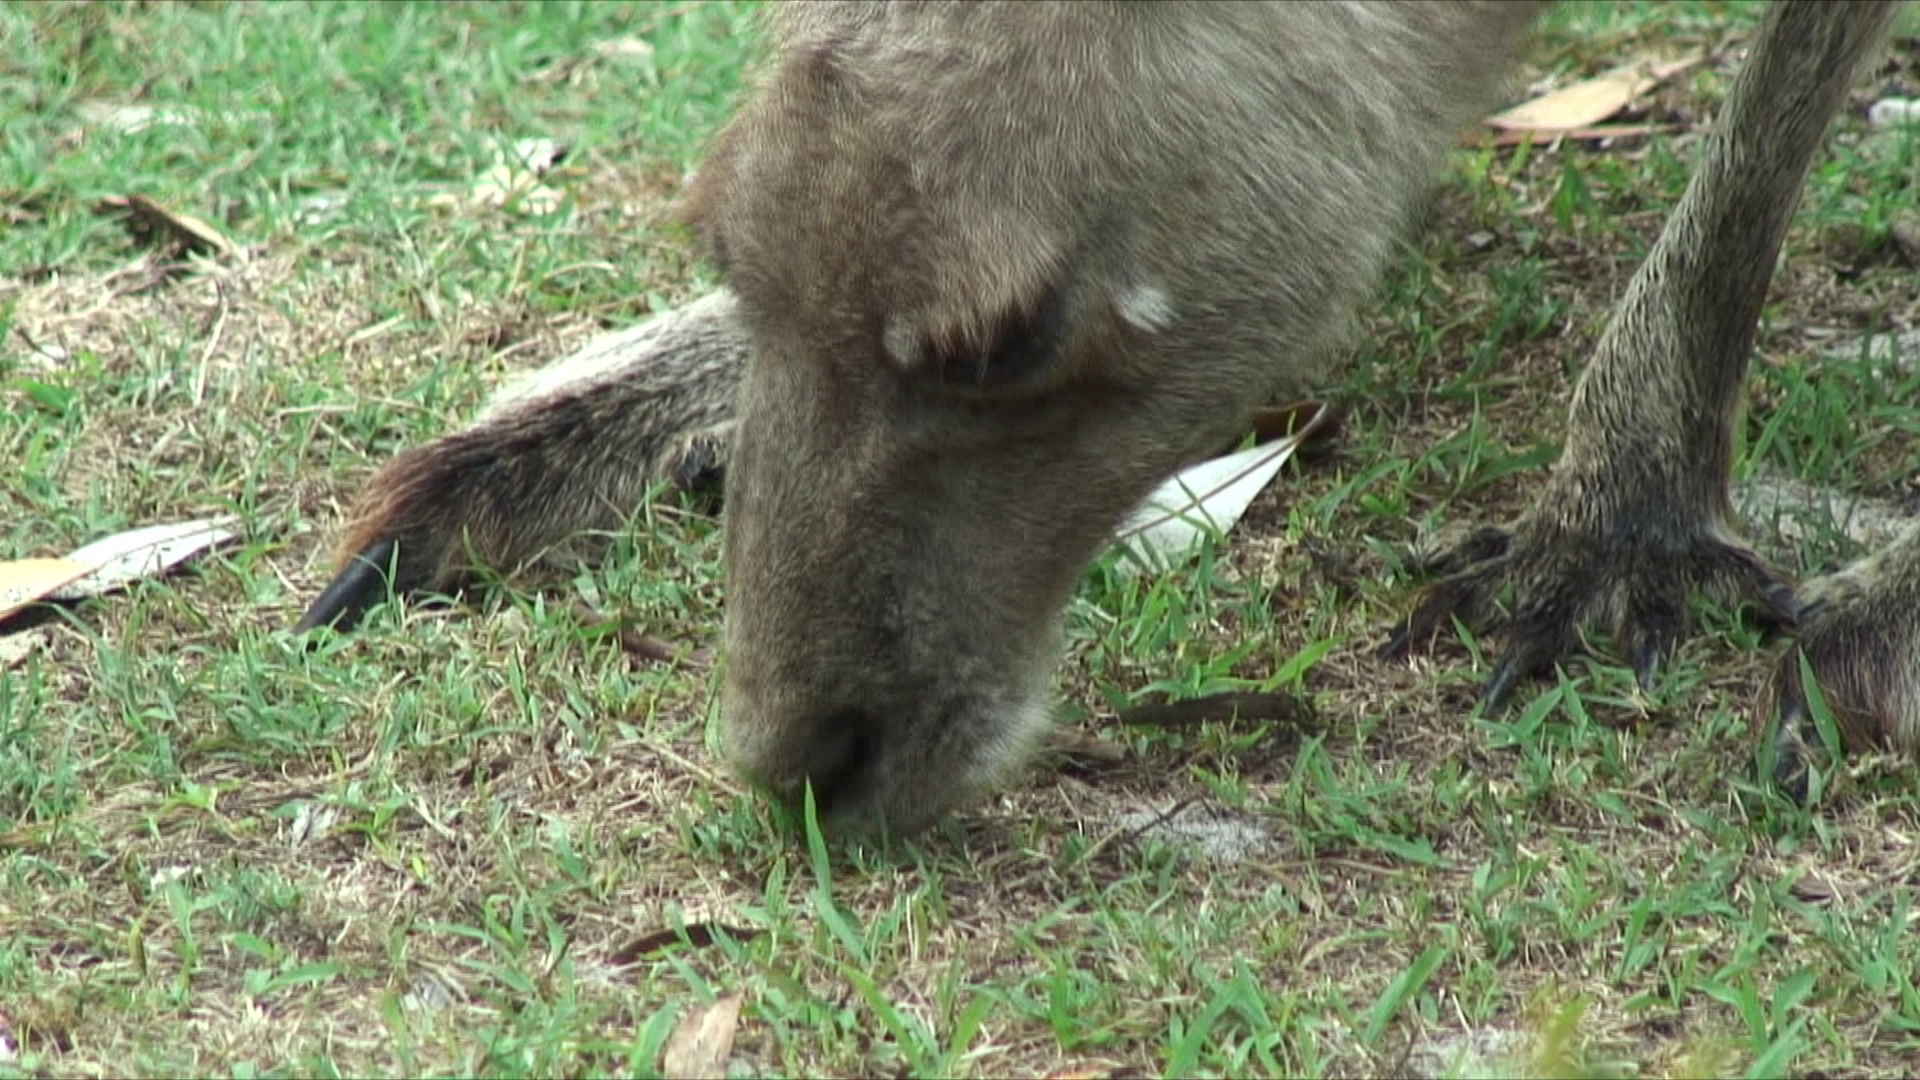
(1000, 281)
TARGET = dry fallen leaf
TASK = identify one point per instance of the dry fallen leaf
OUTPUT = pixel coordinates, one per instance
(537, 155)
(699, 935)
(311, 822)
(1893, 112)
(107, 563)
(513, 181)
(1221, 708)
(142, 553)
(146, 217)
(702, 1041)
(1580, 134)
(128, 118)
(168, 875)
(625, 50)
(1582, 104)
(1590, 101)
(1814, 889)
(1075, 748)
(429, 993)
(1204, 498)
(24, 581)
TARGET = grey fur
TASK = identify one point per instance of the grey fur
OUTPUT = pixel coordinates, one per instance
(1001, 267)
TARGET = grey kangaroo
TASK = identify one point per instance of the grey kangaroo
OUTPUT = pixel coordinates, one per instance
(996, 269)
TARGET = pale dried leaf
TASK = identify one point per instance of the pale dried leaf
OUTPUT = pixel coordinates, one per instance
(167, 875)
(1203, 499)
(142, 553)
(150, 217)
(1590, 101)
(624, 50)
(320, 207)
(513, 181)
(312, 822)
(1578, 134)
(1213, 832)
(1222, 708)
(23, 581)
(1814, 889)
(538, 199)
(128, 118)
(703, 1040)
(537, 155)
(427, 994)
(1583, 104)
(1487, 1052)
(1893, 112)
(47, 355)
(1075, 747)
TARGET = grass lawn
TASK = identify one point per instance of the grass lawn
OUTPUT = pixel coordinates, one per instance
(489, 839)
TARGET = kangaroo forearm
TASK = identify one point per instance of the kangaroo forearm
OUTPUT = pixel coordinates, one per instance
(570, 449)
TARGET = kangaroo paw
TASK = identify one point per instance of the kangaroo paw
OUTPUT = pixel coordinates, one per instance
(561, 458)
(1860, 638)
(1564, 576)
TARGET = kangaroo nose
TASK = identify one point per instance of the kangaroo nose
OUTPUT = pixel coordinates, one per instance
(840, 762)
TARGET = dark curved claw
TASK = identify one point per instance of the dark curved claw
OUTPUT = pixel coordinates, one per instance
(1499, 685)
(1464, 593)
(1646, 662)
(699, 469)
(1399, 641)
(1792, 769)
(1483, 545)
(1656, 622)
(1542, 631)
(1780, 608)
(367, 580)
(1562, 582)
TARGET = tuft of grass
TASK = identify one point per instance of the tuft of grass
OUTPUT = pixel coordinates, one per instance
(484, 839)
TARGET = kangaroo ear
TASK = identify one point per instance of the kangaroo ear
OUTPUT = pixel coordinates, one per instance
(827, 202)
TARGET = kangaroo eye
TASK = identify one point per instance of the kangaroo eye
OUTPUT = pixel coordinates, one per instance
(1021, 346)
(994, 370)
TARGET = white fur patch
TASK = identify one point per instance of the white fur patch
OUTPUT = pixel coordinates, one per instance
(1146, 307)
(574, 373)
(604, 359)
(901, 340)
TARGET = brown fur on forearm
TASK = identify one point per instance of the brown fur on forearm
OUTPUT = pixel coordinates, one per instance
(555, 460)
